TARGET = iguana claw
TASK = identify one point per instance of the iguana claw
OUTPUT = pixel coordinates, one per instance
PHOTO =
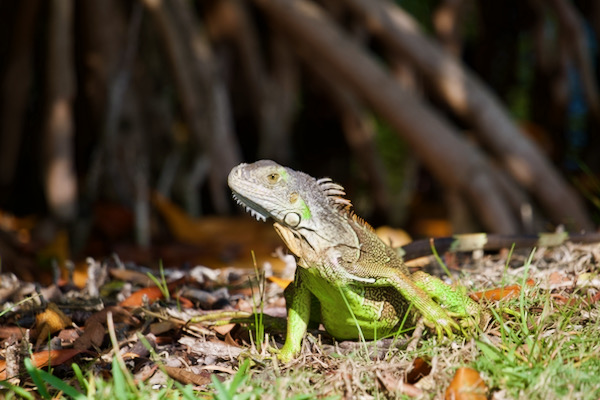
(443, 327)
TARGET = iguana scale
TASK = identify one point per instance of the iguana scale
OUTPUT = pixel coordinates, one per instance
(363, 288)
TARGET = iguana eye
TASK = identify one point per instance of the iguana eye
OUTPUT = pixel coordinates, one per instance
(273, 178)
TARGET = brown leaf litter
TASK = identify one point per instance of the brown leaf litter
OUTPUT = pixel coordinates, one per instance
(67, 324)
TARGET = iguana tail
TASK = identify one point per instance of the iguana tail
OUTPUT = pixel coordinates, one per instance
(483, 241)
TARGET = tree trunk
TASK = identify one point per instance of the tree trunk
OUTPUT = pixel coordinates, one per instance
(202, 92)
(60, 179)
(271, 85)
(360, 135)
(470, 100)
(572, 28)
(450, 158)
(14, 91)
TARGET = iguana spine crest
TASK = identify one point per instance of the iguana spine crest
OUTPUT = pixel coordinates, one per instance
(336, 192)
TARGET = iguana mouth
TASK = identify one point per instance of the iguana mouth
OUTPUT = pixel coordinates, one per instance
(254, 209)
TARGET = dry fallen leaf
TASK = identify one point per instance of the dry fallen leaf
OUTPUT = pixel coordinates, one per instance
(466, 385)
(137, 298)
(214, 349)
(158, 328)
(282, 283)
(393, 237)
(223, 329)
(53, 357)
(222, 241)
(48, 322)
(8, 331)
(128, 275)
(559, 279)
(420, 368)
(188, 377)
(93, 334)
(41, 359)
(139, 350)
(503, 293)
(394, 385)
(153, 294)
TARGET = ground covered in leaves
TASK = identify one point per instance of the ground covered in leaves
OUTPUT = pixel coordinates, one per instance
(156, 332)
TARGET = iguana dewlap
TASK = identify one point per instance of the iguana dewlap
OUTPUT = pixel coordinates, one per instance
(363, 288)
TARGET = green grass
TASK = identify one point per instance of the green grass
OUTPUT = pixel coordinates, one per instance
(550, 354)
(538, 349)
(542, 352)
(272, 384)
(161, 283)
(546, 350)
(89, 387)
(258, 302)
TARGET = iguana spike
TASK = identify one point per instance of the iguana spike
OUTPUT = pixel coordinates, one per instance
(326, 184)
(341, 202)
(362, 222)
(323, 180)
(335, 193)
(333, 190)
(331, 185)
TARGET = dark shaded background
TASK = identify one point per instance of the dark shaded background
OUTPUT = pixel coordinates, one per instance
(103, 104)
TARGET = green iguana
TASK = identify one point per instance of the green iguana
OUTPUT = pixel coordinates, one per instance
(361, 286)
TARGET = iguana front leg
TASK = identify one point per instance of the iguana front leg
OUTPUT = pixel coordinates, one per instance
(455, 301)
(298, 305)
(435, 316)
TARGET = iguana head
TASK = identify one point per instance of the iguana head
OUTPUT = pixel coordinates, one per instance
(313, 209)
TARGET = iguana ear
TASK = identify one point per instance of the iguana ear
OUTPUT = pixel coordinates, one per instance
(290, 240)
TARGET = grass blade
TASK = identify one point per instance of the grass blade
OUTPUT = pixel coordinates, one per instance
(35, 376)
(19, 391)
(40, 377)
(80, 378)
(221, 392)
(118, 380)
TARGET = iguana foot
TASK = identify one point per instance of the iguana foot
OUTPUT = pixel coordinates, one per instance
(458, 305)
(442, 323)
(285, 354)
